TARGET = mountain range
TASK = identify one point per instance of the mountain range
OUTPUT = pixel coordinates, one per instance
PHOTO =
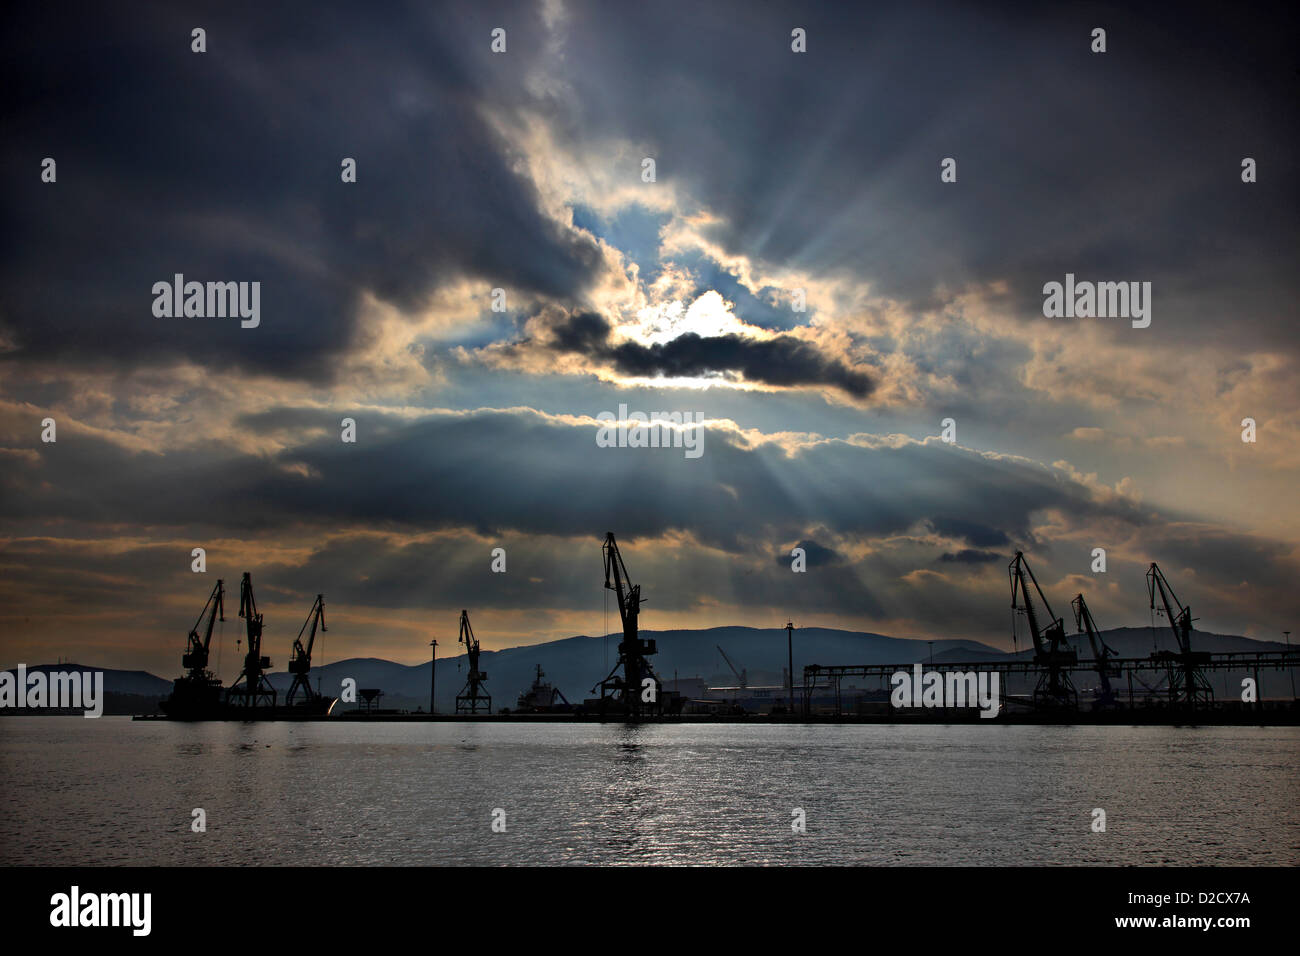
(576, 664)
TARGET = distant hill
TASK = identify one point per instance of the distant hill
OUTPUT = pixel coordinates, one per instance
(576, 664)
(1139, 642)
(138, 683)
(125, 692)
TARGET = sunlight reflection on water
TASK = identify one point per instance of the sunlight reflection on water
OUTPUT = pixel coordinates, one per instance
(113, 791)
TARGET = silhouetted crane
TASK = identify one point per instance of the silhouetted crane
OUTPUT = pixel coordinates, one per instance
(1188, 686)
(251, 688)
(195, 659)
(300, 656)
(472, 694)
(627, 682)
(1051, 652)
(1101, 651)
(741, 675)
(197, 693)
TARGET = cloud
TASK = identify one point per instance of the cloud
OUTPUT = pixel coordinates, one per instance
(969, 556)
(776, 361)
(832, 158)
(226, 166)
(475, 460)
(406, 518)
(977, 534)
(1088, 433)
(776, 171)
(782, 361)
(815, 555)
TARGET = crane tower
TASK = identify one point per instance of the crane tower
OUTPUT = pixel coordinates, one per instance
(472, 694)
(632, 686)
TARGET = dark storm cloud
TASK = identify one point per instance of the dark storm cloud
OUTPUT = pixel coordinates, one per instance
(583, 332)
(74, 575)
(547, 492)
(494, 472)
(783, 361)
(1122, 165)
(226, 166)
(815, 554)
(1252, 567)
(969, 556)
(977, 534)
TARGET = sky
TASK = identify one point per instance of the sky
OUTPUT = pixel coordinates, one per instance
(780, 178)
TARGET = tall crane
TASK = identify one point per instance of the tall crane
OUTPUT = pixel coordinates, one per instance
(1051, 652)
(1188, 685)
(195, 659)
(472, 694)
(742, 675)
(626, 683)
(251, 688)
(300, 655)
(197, 693)
(1102, 653)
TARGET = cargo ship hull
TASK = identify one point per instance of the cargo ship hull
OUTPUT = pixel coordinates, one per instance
(206, 700)
(222, 711)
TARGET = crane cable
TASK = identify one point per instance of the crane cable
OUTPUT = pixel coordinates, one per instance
(321, 657)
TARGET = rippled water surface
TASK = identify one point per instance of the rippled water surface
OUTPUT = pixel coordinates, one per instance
(113, 791)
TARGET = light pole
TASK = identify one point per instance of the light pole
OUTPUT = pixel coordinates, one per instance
(789, 644)
(1291, 669)
(433, 669)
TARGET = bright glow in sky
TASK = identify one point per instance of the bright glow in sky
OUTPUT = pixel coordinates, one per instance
(709, 315)
(523, 173)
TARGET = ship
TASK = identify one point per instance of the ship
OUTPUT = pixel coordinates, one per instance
(202, 699)
(194, 696)
(542, 697)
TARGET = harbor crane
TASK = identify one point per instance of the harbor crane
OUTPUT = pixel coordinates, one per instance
(472, 694)
(195, 659)
(251, 688)
(1051, 652)
(300, 656)
(632, 683)
(198, 689)
(1102, 653)
(1188, 685)
(742, 675)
